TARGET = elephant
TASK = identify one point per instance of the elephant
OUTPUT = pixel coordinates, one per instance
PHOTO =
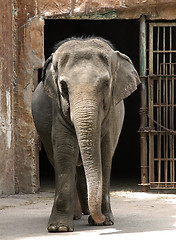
(78, 111)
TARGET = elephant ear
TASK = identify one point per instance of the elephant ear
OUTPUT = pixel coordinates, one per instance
(126, 78)
(49, 78)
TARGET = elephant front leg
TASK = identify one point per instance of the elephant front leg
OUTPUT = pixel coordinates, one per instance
(61, 219)
(82, 189)
(107, 154)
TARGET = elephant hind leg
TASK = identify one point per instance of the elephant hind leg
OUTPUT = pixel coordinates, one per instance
(82, 189)
(78, 210)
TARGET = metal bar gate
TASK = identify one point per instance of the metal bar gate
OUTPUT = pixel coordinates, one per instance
(158, 105)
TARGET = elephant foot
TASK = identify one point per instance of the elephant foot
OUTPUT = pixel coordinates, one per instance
(108, 221)
(78, 211)
(60, 224)
(77, 215)
(60, 228)
(86, 211)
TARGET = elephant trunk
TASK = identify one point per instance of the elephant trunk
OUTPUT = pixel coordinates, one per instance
(85, 119)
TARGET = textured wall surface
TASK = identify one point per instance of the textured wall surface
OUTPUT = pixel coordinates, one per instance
(22, 53)
(6, 98)
(28, 57)
(126, 9)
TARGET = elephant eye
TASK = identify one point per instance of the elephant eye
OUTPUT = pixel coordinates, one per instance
(104, 59)
(106, 82)
(64, 88)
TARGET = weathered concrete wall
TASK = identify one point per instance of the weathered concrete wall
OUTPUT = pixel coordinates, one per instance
(122, 9)
(28, 57)
(6, 100)
(22, 53)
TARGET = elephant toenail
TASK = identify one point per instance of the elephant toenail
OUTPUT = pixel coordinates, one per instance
(52, 228)
(63, 229)
(70, 229)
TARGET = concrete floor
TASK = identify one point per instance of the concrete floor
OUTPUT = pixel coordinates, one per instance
(138, 216)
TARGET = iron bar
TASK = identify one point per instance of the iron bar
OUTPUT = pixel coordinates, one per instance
(142, 46)
(166, 51)
(143, 137)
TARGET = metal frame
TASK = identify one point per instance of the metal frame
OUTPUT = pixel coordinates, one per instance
(158, 105)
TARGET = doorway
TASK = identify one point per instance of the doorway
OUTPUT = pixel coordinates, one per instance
(124, 35)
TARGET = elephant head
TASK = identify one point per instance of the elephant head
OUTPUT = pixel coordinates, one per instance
(87, 79)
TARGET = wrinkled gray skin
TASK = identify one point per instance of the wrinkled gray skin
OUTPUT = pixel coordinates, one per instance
(78, 111)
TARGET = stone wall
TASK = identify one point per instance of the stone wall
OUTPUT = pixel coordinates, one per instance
(6, 100)
(29, 43)
(122, 9)
(22, 53)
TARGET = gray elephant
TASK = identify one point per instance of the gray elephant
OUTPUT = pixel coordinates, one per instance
(78, 111)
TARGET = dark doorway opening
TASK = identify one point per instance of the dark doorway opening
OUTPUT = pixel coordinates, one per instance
(124, 35)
